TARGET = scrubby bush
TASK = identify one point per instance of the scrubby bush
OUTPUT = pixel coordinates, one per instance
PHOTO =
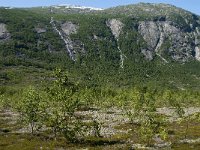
(144, 113)
(29, 108)
(62, 104)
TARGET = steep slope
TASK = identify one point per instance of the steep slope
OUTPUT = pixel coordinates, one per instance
(168, 31)
(165, 29)
(125, 45)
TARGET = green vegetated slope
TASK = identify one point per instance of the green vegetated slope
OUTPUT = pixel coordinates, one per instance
(106, 79)
(29, 56)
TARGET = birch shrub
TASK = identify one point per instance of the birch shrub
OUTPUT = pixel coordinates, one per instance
(62, 104)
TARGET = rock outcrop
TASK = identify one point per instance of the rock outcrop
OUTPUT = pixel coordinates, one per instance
(4, 34)
(76, 46)
(149, 31)
(40, 30)
(69, 28)
(115, 26)
(182, 45)
(116, 29)
(197, 53)
(66, 39)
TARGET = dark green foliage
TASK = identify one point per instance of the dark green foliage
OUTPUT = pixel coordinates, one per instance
(28, 57)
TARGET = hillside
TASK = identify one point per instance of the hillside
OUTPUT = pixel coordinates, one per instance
(158, 45)
(75, 77)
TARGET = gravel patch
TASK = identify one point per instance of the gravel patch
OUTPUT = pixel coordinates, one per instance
(108, 119)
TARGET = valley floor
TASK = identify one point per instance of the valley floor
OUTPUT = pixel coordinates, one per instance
(116, 130)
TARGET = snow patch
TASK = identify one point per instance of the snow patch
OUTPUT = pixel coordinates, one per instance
(76, 7)
(9, 7)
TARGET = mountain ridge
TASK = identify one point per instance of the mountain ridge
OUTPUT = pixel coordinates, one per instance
(150, 21)
(125, 48)
(98, 8)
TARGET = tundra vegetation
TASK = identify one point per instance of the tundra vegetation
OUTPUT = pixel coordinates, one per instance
(52, 115)
(48, 101)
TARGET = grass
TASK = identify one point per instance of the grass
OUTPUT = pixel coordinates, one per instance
(15, 141)
(186, 146)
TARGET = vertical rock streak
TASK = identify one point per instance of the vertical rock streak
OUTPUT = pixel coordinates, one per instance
(116, 27)
(121, 56)
(160, 42)
(66, 40)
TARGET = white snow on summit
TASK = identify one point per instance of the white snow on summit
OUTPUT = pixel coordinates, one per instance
(76, 6)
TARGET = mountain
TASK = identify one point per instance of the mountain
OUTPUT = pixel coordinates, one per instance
(153, 44)
(165, 28)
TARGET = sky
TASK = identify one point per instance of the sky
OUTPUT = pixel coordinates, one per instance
(191, 5)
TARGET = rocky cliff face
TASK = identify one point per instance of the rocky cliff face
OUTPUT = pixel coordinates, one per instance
(4, 34)
(116, 27)
(165, 29)
(69, 28)
(76, 46)
(197, 44)
(181, 44)
(66, 29)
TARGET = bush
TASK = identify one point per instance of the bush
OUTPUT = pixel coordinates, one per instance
(29, 108)
(62, 104)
